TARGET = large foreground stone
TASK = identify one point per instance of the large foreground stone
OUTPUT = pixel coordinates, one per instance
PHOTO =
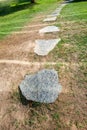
(43, 47)
(49, 29)
(41, 87)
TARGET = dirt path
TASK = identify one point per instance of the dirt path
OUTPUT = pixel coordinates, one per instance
(17, 59)
(20, 45)
(16, 51)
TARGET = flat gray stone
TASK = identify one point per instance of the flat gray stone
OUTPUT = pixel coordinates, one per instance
(52, 15)
(58, 10)
(43, 47)
(56, 13)
(50, 19)
(49, 29)
(41, 87)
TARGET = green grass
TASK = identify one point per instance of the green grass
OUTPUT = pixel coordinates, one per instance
(10, 22)
(75, 11)
(55, 116)
(73, 25)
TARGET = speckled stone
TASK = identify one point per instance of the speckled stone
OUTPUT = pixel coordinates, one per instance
(41, 87)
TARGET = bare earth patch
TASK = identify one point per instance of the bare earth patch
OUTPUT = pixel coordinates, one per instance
(67, 112)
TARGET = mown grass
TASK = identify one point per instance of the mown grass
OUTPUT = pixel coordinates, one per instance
(19, 18)
(75, 11)
(73, 24)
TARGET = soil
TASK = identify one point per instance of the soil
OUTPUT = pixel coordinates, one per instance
(69, 112)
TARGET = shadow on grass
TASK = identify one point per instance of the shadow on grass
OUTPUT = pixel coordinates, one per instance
(7, 9)
(23, 100)
(73, 1)
(78, 0)
(26, 102)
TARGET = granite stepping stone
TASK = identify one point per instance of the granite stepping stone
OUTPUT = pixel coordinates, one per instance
(43, 47)
(41, 87)
(49, 29)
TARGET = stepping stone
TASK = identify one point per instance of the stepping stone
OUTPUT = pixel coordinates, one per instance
(51, 19)
(41, 87)
(52, 15)
(49, 29)
(58, 10)
(43, 47)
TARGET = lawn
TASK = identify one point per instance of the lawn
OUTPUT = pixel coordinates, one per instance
(69, 111)
(71, 56)
(22, 14)
(73, 24)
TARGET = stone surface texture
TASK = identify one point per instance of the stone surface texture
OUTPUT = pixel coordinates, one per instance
(41, 87)
(49, 29)
(43, 47)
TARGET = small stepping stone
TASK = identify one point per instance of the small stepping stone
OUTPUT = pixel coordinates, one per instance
(50, 19)
(52, 15)
(49, 29)
(43, 47)
(58, 10)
